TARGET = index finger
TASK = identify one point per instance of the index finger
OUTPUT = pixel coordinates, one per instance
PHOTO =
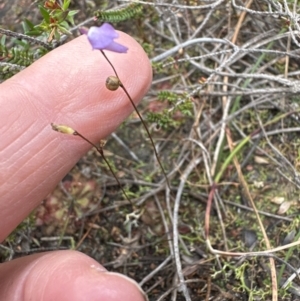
(66, 86)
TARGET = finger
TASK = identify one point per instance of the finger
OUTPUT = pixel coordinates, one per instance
(66, 86)
(64, 276)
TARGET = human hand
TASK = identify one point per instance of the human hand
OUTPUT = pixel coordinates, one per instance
(67, 86)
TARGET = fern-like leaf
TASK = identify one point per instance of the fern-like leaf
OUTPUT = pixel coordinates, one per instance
(118, 15)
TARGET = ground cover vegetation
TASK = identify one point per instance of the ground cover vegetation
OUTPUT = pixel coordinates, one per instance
(223, 112)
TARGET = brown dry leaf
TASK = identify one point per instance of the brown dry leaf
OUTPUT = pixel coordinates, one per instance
(260, 160)
(277, 200)
(94, 226)
(258, 184)
(284, 207)
(130, 244)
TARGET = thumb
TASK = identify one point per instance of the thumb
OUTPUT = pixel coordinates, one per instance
(67, 86)
(64, 275)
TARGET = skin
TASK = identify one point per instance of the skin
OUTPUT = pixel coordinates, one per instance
(67, 86)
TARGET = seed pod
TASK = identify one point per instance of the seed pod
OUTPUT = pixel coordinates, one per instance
(112, 83)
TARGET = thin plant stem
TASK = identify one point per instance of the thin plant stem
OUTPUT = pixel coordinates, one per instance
(100, 151)
(142, 120)
(25, 37)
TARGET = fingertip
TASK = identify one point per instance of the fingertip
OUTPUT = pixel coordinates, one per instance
(64, 275)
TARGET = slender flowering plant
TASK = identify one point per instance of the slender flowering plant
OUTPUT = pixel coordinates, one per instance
(103, 38)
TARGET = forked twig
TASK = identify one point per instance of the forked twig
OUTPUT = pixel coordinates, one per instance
(25, 37)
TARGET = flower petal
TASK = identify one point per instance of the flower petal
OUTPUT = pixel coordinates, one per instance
(102, 38)
(98, 38)
(116, 47)
(109, 30)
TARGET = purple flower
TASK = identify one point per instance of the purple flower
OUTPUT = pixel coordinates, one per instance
(103, 37)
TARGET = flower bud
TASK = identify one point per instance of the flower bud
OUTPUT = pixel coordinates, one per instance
(112, 83)
(64, 129)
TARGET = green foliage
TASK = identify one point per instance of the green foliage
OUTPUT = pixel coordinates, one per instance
(56, 21)
(180, 102)
(129, 12)
(158, 67)
(14, 59)
(185, 108)
(148, 48)
(163, 119)
(15, 55)
(166, 118)
(27, 225)
(166, 95)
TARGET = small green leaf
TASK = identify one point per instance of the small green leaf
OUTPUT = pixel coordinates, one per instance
(70, 16)
(57, 35)
(45, 14)
(27, 25)
(66, 4)
(34, 32)
(61, 16)
(3, 40)
(73, 13)
(62, 28)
